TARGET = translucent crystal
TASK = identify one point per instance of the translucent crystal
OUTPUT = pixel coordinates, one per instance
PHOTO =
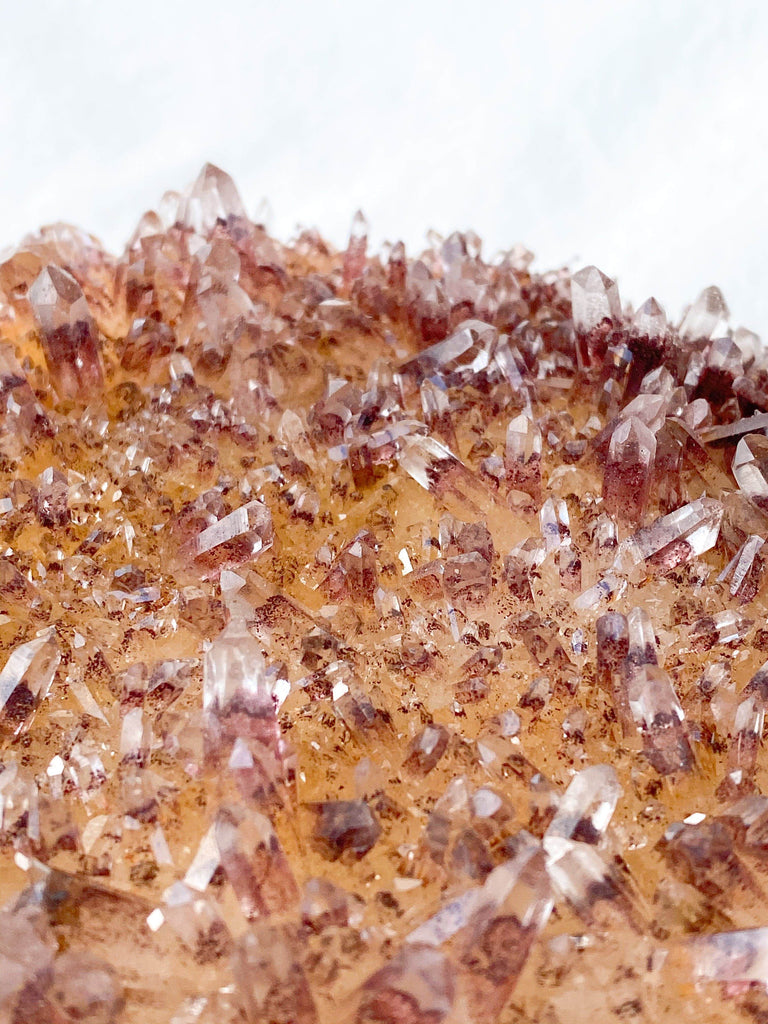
(68, 332)
(659, 717)
(587, 805)
(235, 674)
(750, 468)
(270, 978)
(744, 573)
(594, 298)
(628, 469)
(213, 199)
(641, 648)
(417, 984)
(683, 534)
(581, 876)
(234, 539)
(522, 456)
(254, 863)
(354, 258)
(494, 924)
(458, 360)
(706, 316)
(650, 320)
(426, 749)
(26, 679)
(435, 468)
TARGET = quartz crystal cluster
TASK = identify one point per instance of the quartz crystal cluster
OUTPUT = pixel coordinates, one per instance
(383, 638)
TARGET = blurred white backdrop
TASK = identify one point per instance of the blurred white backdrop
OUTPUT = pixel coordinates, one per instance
(629, 134)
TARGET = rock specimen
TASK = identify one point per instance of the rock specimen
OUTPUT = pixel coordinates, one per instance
(382, 639)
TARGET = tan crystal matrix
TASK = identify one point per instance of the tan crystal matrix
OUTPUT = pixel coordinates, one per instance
(383, 638)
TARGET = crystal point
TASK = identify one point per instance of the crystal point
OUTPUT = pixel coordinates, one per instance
(595, 298)
(68, 332)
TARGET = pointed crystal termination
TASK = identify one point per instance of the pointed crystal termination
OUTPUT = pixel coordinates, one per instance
(748, 728)
(659, 718)
(240, 701)
(590, 884)
(214, 544)
(235, 674)
(746, 570)
(612, 645)
(490, 931)
(354, 257)
(750, 468)
(641, 648)
(416, 986)
(254, 862)
(463, 358)
(628, 471)
(673, 539)
(25, 681)
(197, 922)
(706, 317)
(68, 333)
(650, 321)
(435, 468)
(353, 574)
(594, 298)
(267, 965)
(612, 649)
(587, 806)
(522, 456)
(213, 199)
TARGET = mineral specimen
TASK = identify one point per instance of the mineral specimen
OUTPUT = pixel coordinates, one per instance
(383, 638)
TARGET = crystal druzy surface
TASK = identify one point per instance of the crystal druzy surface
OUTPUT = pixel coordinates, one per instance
(383, 638)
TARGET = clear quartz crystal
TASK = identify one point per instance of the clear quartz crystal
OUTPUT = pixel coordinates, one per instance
(594, 298)
(235, 673)
(26, 679)
(650, 320)
(750, 468)
(683, 534)
(628, 469)
(69, 334)
(587, 805)
(705, 317)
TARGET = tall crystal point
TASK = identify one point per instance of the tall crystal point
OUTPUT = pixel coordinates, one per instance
(235, 674)
(213, 199)
(522, 456)
(594, 298)
(628, 469)
(708, 314)
(68, 333)
(659, 717)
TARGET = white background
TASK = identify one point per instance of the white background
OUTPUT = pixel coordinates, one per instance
(629, 134)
